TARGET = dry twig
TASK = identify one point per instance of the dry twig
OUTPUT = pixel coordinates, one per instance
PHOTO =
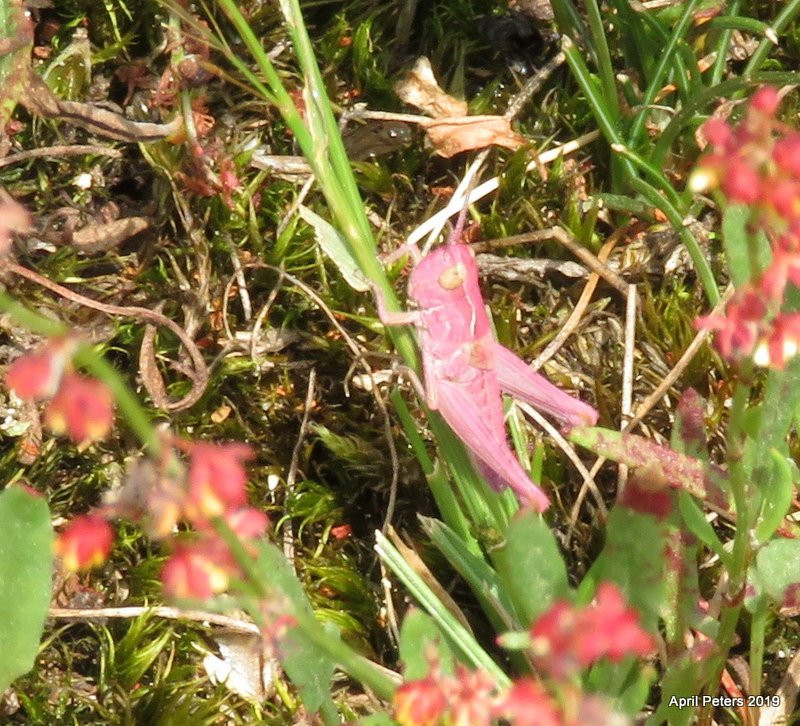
(198, 372)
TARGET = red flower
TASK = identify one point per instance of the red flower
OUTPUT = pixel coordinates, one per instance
(784, 196)
(555, 635)
(37, 375)
(247, 522)
(471, 698)
(527, 704)
(420, 703)
(195, 571)
(620, 634)
(740, 326)
(567, 639)
(85, 543)
(718, 133)
(740, 182)
(83, 408)
(786, 154)
(773, 281)
(341, 531)
(781, 344)
(217, 479)
(766, 100)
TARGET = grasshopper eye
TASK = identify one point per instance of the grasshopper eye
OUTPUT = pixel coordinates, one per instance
(453, 277)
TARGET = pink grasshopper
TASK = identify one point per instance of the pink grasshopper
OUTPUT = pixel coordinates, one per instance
(465, 369)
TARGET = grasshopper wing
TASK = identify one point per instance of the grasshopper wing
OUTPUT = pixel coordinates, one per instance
(481, 429)
(518, 380)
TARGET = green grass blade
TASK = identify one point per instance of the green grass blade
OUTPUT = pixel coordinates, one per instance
(460, 638)
(781, 23)
(666, 57)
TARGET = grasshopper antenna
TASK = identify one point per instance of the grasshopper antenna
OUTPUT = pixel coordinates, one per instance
(465, 188)
(455, 236)
(462, 194)
(463, 191)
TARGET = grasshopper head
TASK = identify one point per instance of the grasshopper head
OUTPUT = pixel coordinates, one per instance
(442, 274)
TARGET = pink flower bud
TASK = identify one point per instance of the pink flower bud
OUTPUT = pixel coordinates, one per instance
(341, 531)
(623, 634)
(657, 503)
(85, 543)
(717, 133)
(420, 703)
(741, 182)
(471, 696)
(83, 408)
(527, 704)
(773, 281)
(192, 572)
(766, 100)
(217, 479)
(247, 522)
(784, 196)
(739, 328)
(37, 375)
(782, 344)
(786, 154)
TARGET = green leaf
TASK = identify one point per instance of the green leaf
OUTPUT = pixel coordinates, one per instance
(307, 667)
(530, 566)
(777, 492)
(755, 598)
(626, 682)
(335, 247)
(689, 431)
(633, 558)
(777, 411)
(659, 463)
(376, 719)
(681, 681)
(633, 696)
(698, 525)
(778, 570)
(459, 637)
(417, 634)
(487, 509)
(138, 649)
(26, 568)
(480, 576)
(736, 239)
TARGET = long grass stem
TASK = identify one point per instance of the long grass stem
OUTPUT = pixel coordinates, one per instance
(666, 57)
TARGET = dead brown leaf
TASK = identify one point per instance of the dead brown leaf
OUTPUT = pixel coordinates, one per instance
(450, 130)
(419, 88)
(242, 665)
(451, 136)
